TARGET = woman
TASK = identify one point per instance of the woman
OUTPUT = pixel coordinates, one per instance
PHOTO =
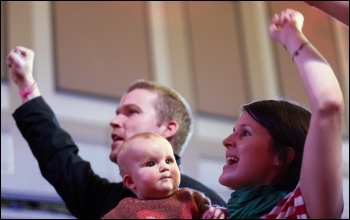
(281, 160)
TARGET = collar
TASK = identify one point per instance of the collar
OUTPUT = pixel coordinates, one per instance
(178, 159)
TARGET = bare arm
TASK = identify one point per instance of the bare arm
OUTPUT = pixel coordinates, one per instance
(321, 172)
(20, 61)
(336, 9)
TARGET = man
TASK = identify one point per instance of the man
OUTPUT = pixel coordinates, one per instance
(145, 106)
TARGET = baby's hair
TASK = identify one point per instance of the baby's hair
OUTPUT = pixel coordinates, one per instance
(121, 158)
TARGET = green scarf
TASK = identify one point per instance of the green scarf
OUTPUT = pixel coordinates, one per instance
(253, 202)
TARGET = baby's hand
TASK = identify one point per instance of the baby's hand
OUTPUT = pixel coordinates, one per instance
(215, 213)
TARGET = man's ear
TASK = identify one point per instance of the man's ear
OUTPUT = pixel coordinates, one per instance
(128, 182)
(170, 128)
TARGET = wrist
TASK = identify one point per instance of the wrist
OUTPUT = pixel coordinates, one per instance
(27, 91)
(297, 51)
(24, 83)
(294, 42)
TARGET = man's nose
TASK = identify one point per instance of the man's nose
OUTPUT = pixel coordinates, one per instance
(116, 121)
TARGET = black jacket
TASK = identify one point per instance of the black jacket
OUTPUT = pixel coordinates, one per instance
(85, 194)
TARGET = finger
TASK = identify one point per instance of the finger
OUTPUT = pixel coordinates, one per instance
(217, 213)
(25, 52)
(222, 216)
(274, 18)
(11, 58)
(9, 61)
(272, 27)
(284, 16)
(208, 214)
(15, 58)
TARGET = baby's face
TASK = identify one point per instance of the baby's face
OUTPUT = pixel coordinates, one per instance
(153, 168)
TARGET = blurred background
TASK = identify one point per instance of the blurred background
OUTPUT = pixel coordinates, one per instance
(217, 54)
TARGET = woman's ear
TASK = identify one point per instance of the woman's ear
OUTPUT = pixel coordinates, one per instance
(128, 182)
(290, 154)
(277, 162)
(290, 157)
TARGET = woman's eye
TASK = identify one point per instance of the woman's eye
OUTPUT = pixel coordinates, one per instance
(150, 164)
(245, 133)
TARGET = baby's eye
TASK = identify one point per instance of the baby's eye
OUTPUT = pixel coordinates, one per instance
(150, 164)
(168, 161)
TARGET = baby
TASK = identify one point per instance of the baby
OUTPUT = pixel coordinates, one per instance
(148, 167)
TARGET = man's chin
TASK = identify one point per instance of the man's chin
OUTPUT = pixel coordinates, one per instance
(114, 152)
(116, 145)
(113, 157)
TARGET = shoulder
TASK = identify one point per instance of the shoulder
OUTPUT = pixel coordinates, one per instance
(188, 182)
(189, 191)
(291, 206)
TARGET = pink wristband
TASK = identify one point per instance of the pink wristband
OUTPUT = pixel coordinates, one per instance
(24, 94)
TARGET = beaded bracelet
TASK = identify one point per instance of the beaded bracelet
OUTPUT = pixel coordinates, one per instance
(296, 53)
(24, 94)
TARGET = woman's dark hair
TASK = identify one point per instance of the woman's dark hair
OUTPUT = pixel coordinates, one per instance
(288, 123)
